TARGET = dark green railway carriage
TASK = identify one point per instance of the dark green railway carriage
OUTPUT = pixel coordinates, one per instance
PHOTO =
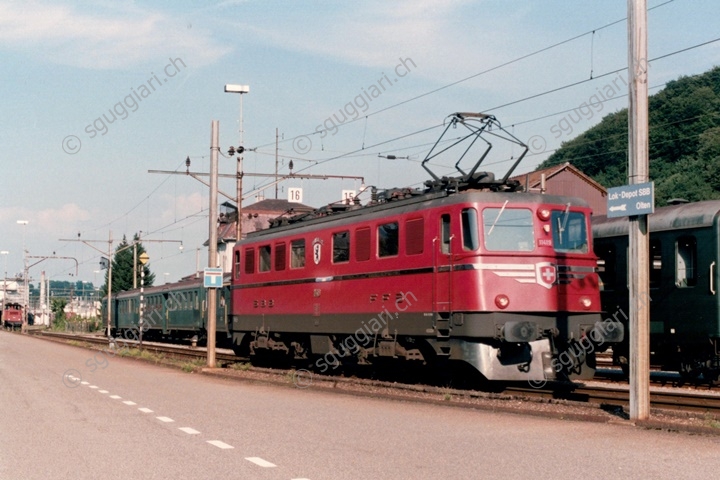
(684, 304)
(170, 311)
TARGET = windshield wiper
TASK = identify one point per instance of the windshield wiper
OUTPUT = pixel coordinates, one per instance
(498, 217)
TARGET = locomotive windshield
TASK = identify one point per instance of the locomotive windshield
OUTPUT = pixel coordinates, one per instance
(569, 232)
(508, 229)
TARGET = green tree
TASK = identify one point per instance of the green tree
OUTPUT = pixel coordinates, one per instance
(122, 267)
(57, 306)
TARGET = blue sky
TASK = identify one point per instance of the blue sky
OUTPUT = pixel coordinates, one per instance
(156, 70)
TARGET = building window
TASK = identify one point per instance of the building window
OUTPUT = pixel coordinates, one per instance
(470, 229)
(686, 262)
(250, 260)
(388, 241)
(297, 253)
(280, 256)
(508, 229)
(445, 233)
(362, 244)
(414, 236)
(341, 247)
(264, 263)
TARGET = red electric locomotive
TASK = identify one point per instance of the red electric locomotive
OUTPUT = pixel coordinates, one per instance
(12, 315)
(467, 269)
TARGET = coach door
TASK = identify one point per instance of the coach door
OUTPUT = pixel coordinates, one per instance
(443, 275)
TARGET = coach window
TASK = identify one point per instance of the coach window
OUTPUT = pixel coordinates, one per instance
(362, 244)
(297, 253)
(686, 262)
(655, 264)
(445, 234)
(606, 266)
(508, 229)
(250, 260)
(341, 247)
(388, 241)
(237, 263)
(280, 259)
(264, 260)
(470, 229)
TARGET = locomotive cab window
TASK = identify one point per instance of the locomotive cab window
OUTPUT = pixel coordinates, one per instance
(445, 233)
(264, 263)
(686, 262)
(388, 240)
(508, 229)
(470, 229)
(297, 253)
(341, 247)
(569, 232)
(655, 264)
(237, 264)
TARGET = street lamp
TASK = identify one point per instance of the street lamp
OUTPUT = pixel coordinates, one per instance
(26, 295)
(241, 89)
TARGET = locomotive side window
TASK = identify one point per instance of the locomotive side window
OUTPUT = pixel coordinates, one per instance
(237, 264)
(686, 262)
(414, 236)
(297, 253)
(445, 234)
(280, 259)
(362, 244)
(341, 247)
(264, 264)
(508, 229)
(388, 240)
(569, 232)
(470, 229)
(250, 260)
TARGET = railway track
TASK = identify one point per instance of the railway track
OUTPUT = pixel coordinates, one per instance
(605, 396)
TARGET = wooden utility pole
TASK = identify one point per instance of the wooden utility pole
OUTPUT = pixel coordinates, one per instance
(638, 170)
(212, 255)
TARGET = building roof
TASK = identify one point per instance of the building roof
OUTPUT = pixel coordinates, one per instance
(535, 178)
(268, 208)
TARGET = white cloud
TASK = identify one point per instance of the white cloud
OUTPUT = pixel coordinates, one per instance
(111, 40)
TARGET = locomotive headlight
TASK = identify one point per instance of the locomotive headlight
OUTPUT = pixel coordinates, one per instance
(502, 301)
(543, 214)
(585, 302)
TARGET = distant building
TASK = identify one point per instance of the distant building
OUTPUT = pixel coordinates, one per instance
(565, 179)
(254, 217)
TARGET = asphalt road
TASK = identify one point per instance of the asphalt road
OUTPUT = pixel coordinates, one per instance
(143, 421)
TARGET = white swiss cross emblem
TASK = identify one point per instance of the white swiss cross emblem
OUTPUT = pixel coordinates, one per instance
(546, 274)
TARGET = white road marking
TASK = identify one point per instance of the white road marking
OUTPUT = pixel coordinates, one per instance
(145, 410)
(189, 431)
(220, 444)
(259, 461)
(84, 383)
(103, 391)
(165, 419)
(115, 397)
(128, 402)
(94, 386)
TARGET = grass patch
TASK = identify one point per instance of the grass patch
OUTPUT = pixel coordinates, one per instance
(193, 365)
(244, 367)
(142, 354)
